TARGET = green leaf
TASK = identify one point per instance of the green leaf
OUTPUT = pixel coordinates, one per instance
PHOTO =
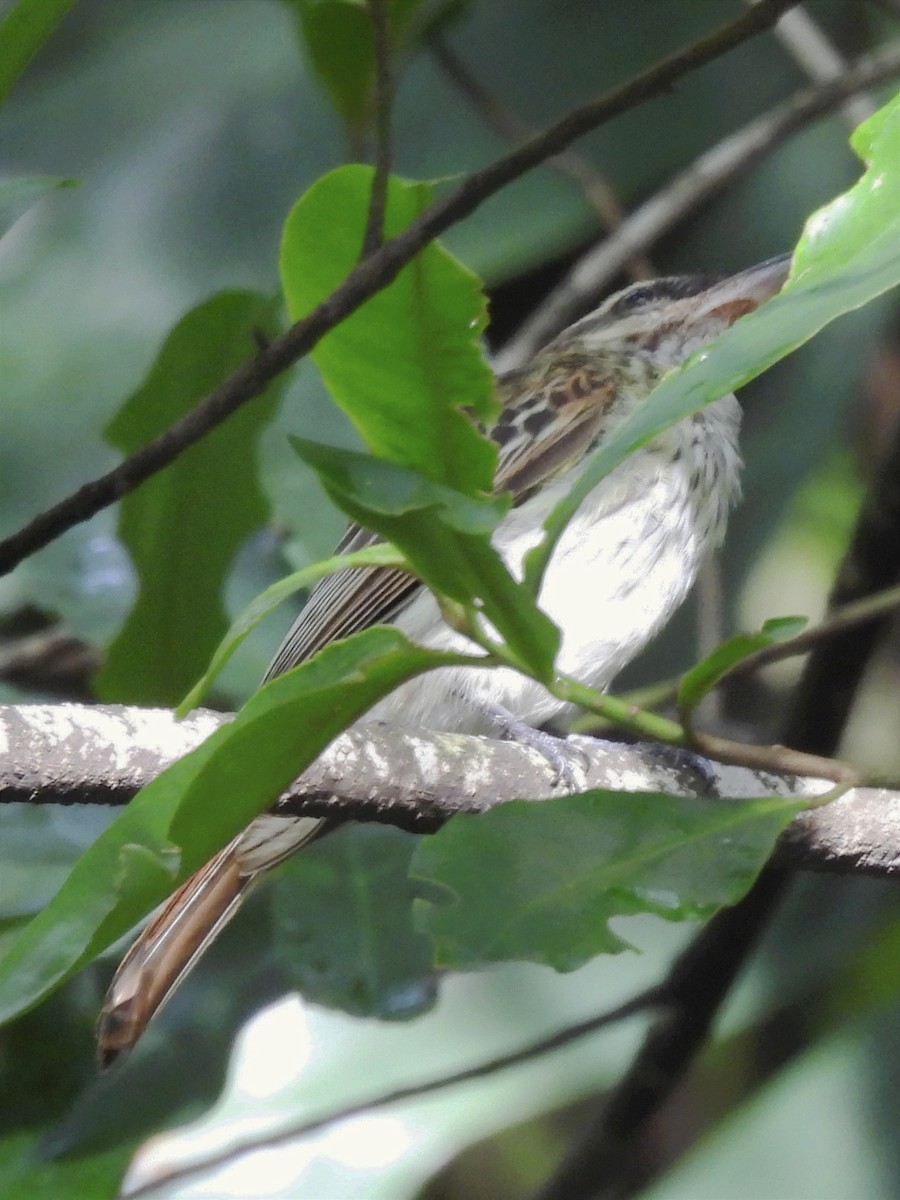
(23, 31)
(343, 924)
(18, 195)
(857, 236)
(184, 525)
(406, 363)
(703, 677)
(538, 881)
(396, 492)
(27, 1174)
(445, 536)
(338, 38)
(260, 607)
(194, 807)
(337, 35)
(849, 254)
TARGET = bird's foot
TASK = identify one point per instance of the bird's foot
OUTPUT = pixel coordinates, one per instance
(683, 759)
(568, 760)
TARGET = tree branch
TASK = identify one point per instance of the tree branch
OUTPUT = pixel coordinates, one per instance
(372, 274)
(814, 53)
(79, 754)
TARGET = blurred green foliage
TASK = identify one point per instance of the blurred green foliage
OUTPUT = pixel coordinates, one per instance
(192, 128)
(182, 548)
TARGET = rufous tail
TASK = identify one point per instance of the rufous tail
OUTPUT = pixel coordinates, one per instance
(193, 916)
(166, 950)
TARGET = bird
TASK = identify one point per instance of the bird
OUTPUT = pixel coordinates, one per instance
(622, 567)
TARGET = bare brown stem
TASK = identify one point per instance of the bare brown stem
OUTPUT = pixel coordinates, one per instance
(839, 620)
(556, 1041)
(500, 117)
(379, 15)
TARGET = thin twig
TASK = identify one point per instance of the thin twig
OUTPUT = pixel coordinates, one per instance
(372, 274)
(782, 759)
(814, 53)
(379, 15)
(838, 621)
(651, 998)
(501, 118)
(775, 758)
(682, 195)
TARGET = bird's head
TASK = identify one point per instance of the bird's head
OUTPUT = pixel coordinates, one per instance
(660, 322)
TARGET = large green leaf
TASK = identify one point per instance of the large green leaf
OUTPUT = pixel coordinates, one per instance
(405, 364)
(445, 536)
(538, 881)
(183, 526)
(23, 30)
(849, 254)
(201, 801)
(343, 924)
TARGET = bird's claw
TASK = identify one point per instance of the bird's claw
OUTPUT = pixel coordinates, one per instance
(568, 760)
(684, 759)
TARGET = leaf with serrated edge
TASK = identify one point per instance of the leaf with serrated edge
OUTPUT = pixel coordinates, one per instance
(538, 881)
(408, 361)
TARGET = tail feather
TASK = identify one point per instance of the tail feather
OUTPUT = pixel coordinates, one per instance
(166, 950)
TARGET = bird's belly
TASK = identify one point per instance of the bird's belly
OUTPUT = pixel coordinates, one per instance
(621, 568)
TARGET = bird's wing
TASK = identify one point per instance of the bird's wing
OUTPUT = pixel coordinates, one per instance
(548, 421)
(344, 603)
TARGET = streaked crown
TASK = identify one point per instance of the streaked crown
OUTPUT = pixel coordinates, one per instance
(664, 320)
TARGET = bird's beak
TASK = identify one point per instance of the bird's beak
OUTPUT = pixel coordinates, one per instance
(765, 279)
(739, 294)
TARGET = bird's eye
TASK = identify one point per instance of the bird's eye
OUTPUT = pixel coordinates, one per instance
(633, 299)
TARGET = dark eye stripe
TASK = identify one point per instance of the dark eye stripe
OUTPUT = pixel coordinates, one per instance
(677, 287)
(635, 298)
